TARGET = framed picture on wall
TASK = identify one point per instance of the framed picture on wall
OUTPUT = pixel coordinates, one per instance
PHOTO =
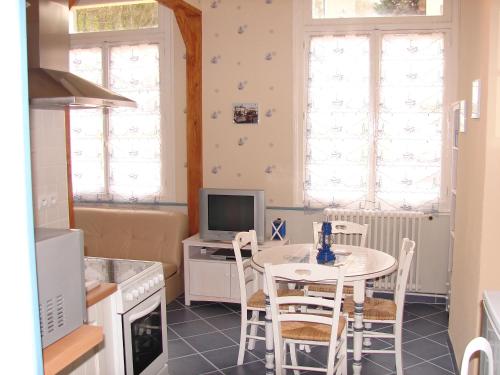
(245, 113)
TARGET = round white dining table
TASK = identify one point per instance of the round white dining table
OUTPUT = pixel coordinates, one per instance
(360, 264)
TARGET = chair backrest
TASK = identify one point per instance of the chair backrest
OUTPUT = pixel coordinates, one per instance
(247, 276)
(477, 344)
(280, 311)
(345, 232)
(404, 264)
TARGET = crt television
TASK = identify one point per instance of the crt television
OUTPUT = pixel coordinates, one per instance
(225, 212)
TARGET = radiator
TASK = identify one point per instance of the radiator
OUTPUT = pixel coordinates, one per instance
(386, 232)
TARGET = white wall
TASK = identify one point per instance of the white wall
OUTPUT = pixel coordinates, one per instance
(48, 165)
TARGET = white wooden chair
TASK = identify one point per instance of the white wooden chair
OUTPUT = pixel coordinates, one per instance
(251, 297)
(378, 310)
(347, 233)
(477, 344)
(305, 327)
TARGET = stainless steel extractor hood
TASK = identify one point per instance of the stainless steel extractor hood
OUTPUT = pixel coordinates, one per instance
(51, 86)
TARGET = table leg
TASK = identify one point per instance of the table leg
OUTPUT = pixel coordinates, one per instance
(359, 299)
(269, 335)
(369, 294)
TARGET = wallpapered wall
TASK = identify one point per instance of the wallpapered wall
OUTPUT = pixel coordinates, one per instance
(247, 58)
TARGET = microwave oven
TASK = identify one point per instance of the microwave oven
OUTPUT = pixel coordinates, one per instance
(61, 284)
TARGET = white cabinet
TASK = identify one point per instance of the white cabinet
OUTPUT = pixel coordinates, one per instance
(208, 279)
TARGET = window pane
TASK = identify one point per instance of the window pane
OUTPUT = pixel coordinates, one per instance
(87, 157)
(410, 121)
(338, 121)
(111, 17)
(375, 8)
(134, 134)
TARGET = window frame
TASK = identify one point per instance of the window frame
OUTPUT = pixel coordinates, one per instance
(304, 29)
(163, 36)
(445, 18)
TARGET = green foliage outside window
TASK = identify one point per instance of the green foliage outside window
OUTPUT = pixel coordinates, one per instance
(116, 17)
(395, 7)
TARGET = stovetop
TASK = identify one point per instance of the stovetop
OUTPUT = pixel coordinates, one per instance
(113, 270)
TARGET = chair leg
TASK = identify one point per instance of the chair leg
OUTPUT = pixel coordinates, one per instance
(398, 347)
(243, 337)
(253, 330)
(293, 357)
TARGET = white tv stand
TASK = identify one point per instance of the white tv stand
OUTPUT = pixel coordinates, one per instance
(208, 279)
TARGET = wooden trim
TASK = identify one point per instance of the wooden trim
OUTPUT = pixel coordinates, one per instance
(65, 351)
(189, 21)
(98, 294)
(69, 177)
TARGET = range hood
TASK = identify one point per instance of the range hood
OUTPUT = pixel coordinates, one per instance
(51, 86)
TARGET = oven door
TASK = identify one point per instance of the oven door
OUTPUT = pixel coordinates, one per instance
(145, 337)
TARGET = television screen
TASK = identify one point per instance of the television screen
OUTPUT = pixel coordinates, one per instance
(230, 212)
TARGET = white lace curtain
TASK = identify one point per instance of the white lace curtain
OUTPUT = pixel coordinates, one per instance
(116, 154)
(375, 141)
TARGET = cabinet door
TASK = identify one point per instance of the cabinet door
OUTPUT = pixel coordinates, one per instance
(211, 279)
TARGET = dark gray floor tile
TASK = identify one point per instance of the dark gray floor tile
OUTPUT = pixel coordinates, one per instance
(171, 335)
(423, 327)
(226, 321)
(408, 316)
(233, 306)
(257, 367)
(388, 360)
(439, 318)
(427, 369)
(425, 349)
(209, 341)
(228, 357)
(175, 305)
(368, 367)
(233, 333)
(444, 362)
(422, 309)
(208, 311)
(180, 316)
(178, 348)
(196, 327)
(441, 337)
(193, 364)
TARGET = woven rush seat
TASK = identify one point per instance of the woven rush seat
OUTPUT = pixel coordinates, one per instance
(310, 331)
(329, 288)
(374, 309)
(258, 299)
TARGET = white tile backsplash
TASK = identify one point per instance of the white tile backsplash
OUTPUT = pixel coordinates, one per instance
(48, 164)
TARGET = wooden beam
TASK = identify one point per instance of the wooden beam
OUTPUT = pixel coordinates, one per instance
(189, 20)
(71, 3)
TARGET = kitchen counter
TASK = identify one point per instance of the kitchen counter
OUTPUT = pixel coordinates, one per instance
(99, 293)
(65, 351)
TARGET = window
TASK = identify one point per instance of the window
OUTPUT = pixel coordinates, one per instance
(117, 153)
(374, 119)
(132, 15)
(324, 9)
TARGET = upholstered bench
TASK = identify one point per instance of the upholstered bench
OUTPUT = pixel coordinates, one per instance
(137, 234)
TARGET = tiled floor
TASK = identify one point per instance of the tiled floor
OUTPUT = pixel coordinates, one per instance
(203, 339)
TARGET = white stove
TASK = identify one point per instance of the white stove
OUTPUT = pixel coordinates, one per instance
(136, 279)
(137, 337)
